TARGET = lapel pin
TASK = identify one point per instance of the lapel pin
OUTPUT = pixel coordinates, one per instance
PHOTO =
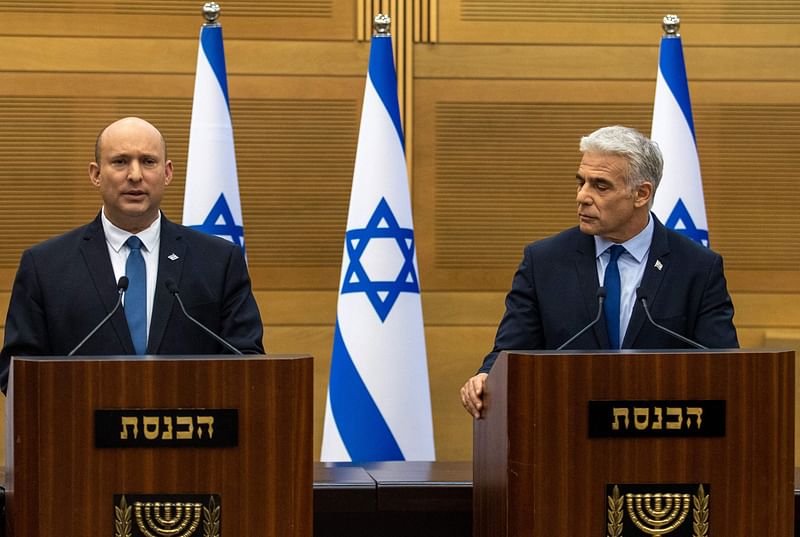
(658, 264)
(172, 256)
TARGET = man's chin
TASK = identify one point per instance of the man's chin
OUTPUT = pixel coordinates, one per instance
(588, 228)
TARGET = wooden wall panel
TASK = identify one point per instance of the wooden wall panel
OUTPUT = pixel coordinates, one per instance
(259, 19)
(728, 22)
(496, 96)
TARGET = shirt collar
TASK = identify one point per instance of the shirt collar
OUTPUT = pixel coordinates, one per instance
(116, 236)
(638, 246)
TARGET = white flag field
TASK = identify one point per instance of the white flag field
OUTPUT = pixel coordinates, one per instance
(378, 406)
(211, 201)
(679, 201)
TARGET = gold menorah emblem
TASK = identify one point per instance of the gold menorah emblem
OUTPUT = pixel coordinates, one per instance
(656, 510)
(156, 519)
(162, 515)
(657, 514)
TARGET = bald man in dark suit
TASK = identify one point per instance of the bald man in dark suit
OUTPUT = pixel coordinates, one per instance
(66, 285)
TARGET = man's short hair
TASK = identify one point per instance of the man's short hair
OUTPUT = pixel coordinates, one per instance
(645, 162)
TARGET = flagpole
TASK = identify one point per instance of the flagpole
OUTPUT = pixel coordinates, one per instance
(679, 201)
(211, 202)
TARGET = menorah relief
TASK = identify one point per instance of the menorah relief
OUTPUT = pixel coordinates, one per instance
(657, 513)
(166, 516)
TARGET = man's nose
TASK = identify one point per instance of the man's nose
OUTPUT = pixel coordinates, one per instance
(583, 197)
(134, 171)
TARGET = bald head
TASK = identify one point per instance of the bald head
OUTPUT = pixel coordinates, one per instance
(131, 172)
(127, 123)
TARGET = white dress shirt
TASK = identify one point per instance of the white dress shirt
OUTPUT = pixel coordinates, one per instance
(631, 265)
(118, 252)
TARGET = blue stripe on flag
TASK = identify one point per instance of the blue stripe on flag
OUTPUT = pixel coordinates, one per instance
(211, 41)
(384, 78)
(363, 430)
(672, 68)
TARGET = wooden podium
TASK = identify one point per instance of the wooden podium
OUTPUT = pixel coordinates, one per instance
(537, 471)
(229, 437)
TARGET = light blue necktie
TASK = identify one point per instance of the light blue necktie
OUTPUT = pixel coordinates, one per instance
(613, 290)
(136, 296)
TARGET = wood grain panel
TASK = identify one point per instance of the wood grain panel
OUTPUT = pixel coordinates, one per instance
(729, 22)
(522, 157)
(295, 160)
(265, 481)
(533, 447)
(597, 11)
(565, 61)
(271, 19)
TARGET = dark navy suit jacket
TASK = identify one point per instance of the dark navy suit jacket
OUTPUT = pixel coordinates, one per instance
(554, 295)
(65, 286)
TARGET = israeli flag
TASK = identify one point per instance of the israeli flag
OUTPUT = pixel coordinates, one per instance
(378, 406)
(211, 200)
(679, 201)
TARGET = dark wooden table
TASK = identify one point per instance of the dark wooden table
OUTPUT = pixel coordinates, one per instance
(390, 499)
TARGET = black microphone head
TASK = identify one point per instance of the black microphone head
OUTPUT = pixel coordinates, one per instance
(641, 294)
(172, 287)
(601, 292)
(122, 284)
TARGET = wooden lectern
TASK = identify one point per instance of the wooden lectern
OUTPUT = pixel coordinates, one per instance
(235, 430)
(538, 472)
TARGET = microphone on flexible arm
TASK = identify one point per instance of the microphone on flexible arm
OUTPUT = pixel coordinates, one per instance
(642, 297)
(601, 297)
(122, 286)
(172, 287)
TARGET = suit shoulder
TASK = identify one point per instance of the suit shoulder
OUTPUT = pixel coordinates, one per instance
(557, 244)
(66, 241)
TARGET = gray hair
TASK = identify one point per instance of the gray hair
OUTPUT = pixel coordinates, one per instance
(645, 162)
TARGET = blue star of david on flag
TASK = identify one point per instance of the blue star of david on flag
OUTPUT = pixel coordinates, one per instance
(220, 222)
(381, 293)
(680, 216)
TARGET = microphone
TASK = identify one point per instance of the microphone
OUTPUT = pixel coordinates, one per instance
(642, 297)
(173, 289)
(122, 286)
(601, 297)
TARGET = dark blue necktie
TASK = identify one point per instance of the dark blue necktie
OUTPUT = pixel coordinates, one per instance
(136, 296)
(613, 290)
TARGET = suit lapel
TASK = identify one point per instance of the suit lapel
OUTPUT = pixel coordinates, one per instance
(657, 266)
(171, 255)
(95, 254)
(586, 265)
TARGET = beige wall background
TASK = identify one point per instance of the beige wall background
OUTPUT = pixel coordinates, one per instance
(494, 98)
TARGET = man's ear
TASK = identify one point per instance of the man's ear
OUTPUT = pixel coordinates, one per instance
(643, 194)
(168, 170)
(94, 174)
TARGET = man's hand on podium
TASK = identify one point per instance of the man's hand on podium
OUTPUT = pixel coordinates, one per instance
(472, 394)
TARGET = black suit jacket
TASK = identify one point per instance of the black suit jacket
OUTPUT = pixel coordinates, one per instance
(554, 295)
(65, 286)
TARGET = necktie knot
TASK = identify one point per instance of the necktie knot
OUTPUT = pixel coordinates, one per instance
(616, 250)
(134, 242)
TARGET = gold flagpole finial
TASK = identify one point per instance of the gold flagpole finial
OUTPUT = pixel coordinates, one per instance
(381, 25)
(211, 12)
(671, 25)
